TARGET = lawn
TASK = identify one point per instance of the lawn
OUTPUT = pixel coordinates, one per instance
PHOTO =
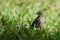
(16, 17)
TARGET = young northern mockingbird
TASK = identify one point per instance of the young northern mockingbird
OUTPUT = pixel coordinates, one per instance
(39, 21)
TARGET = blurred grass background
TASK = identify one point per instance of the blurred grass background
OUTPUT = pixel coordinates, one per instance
(16, 16)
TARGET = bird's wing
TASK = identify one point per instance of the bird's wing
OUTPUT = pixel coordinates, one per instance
(35, 22)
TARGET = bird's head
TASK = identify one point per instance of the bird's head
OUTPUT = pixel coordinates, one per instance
(39, 12)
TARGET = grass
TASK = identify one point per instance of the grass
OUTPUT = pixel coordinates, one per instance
(16, 16)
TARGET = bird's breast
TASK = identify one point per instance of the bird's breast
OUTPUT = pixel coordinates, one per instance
(42, 21)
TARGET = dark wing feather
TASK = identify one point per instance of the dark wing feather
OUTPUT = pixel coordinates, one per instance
(35, 22)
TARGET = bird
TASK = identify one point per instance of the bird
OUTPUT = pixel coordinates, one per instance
(39, 20)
